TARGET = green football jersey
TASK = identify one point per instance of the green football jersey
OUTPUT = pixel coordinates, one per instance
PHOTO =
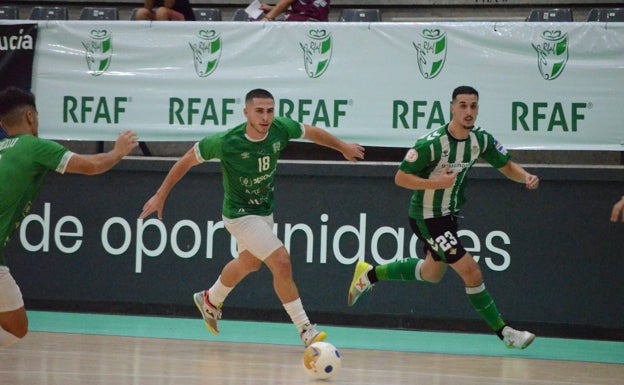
(24, 162)
(429, 158)
(248, 166)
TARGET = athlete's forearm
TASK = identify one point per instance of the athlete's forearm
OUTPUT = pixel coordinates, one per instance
(514, 172)
(414, 182)
(323, 138)
(177, 172)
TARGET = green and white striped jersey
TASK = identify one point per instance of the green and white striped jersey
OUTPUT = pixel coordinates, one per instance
(429, 158)
(24, 162)
(248, 167)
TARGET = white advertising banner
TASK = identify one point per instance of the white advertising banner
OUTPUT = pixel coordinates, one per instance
(541, 85)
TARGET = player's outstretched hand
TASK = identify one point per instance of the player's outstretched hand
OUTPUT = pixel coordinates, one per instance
(618, 211)
(447, 178)
(126, 142)
(353, 152)
(532, 182)
(154, 205)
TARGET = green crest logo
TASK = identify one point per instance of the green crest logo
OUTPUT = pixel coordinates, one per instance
(206, 52)
(552, 53)
(98, 51)
(317, 52)
(431, 51)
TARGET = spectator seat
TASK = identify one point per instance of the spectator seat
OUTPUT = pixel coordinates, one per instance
(360, 15)
(9, 12)
(49, 13)
(99, 13)
(606, 14)
(556, 14)
(207, 14)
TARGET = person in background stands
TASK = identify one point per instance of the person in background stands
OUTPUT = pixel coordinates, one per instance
(25, 159)
(248, 155)
(297, 10)
(435, 169)
(166, 10)
(618, 211)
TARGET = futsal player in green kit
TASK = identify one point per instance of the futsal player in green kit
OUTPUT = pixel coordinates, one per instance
(248, 155)
(24, 162)
(435, 169)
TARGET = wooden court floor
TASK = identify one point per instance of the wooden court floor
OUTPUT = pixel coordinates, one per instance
(78, 359)
(104, 350)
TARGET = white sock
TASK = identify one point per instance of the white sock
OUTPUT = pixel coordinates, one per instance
(418, 267)
(218, 292)
(297, 314)
(7, 339)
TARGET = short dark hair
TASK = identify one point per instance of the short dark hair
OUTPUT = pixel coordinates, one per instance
(258, 93)
(12, 98)
(465, 90)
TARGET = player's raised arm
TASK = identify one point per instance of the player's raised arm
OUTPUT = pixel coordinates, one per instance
(100, 163)
(156, 203)
(351, 151)
(518, 174)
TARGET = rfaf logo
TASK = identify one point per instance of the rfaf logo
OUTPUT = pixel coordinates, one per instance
(98, 51)
(552, 53)
(431, 49)
(206, 52)
(317, 52)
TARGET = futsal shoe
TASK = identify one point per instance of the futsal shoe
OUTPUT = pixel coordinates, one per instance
(360, 282)
(310, 335)
(209, 312)
(516, 338)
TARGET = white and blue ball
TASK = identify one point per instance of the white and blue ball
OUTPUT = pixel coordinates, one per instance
(321, 360)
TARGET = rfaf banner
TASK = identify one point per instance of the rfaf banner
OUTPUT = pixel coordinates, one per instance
(542, 85)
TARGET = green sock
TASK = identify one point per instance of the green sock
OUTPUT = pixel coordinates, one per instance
(403, 270)
(483, 303)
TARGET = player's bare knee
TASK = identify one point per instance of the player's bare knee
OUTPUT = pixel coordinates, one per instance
(250, 265)
(280, 265)
(163, 14)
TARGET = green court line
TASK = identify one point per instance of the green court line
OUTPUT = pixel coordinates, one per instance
(609, 352)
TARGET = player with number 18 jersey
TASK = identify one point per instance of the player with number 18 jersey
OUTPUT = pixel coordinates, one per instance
(249, 166)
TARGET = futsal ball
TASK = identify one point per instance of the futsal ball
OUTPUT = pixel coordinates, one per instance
(321, 360)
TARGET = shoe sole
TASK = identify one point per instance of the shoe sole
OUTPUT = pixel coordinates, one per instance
(211, 324)
(360, 267)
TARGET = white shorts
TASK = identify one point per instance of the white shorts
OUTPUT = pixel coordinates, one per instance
(254, 234)
(10, 294)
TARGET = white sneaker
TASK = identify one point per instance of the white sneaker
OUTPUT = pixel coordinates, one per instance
(516, 338)
(310, 335)
(360, 282)
(209, 312)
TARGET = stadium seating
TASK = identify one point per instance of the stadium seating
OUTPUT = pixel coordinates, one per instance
(207, 14)
(241, 15)
(49, 13)
(99, 13)
(557, 14)
(363, 15)
(9, 12)
(606, 14)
